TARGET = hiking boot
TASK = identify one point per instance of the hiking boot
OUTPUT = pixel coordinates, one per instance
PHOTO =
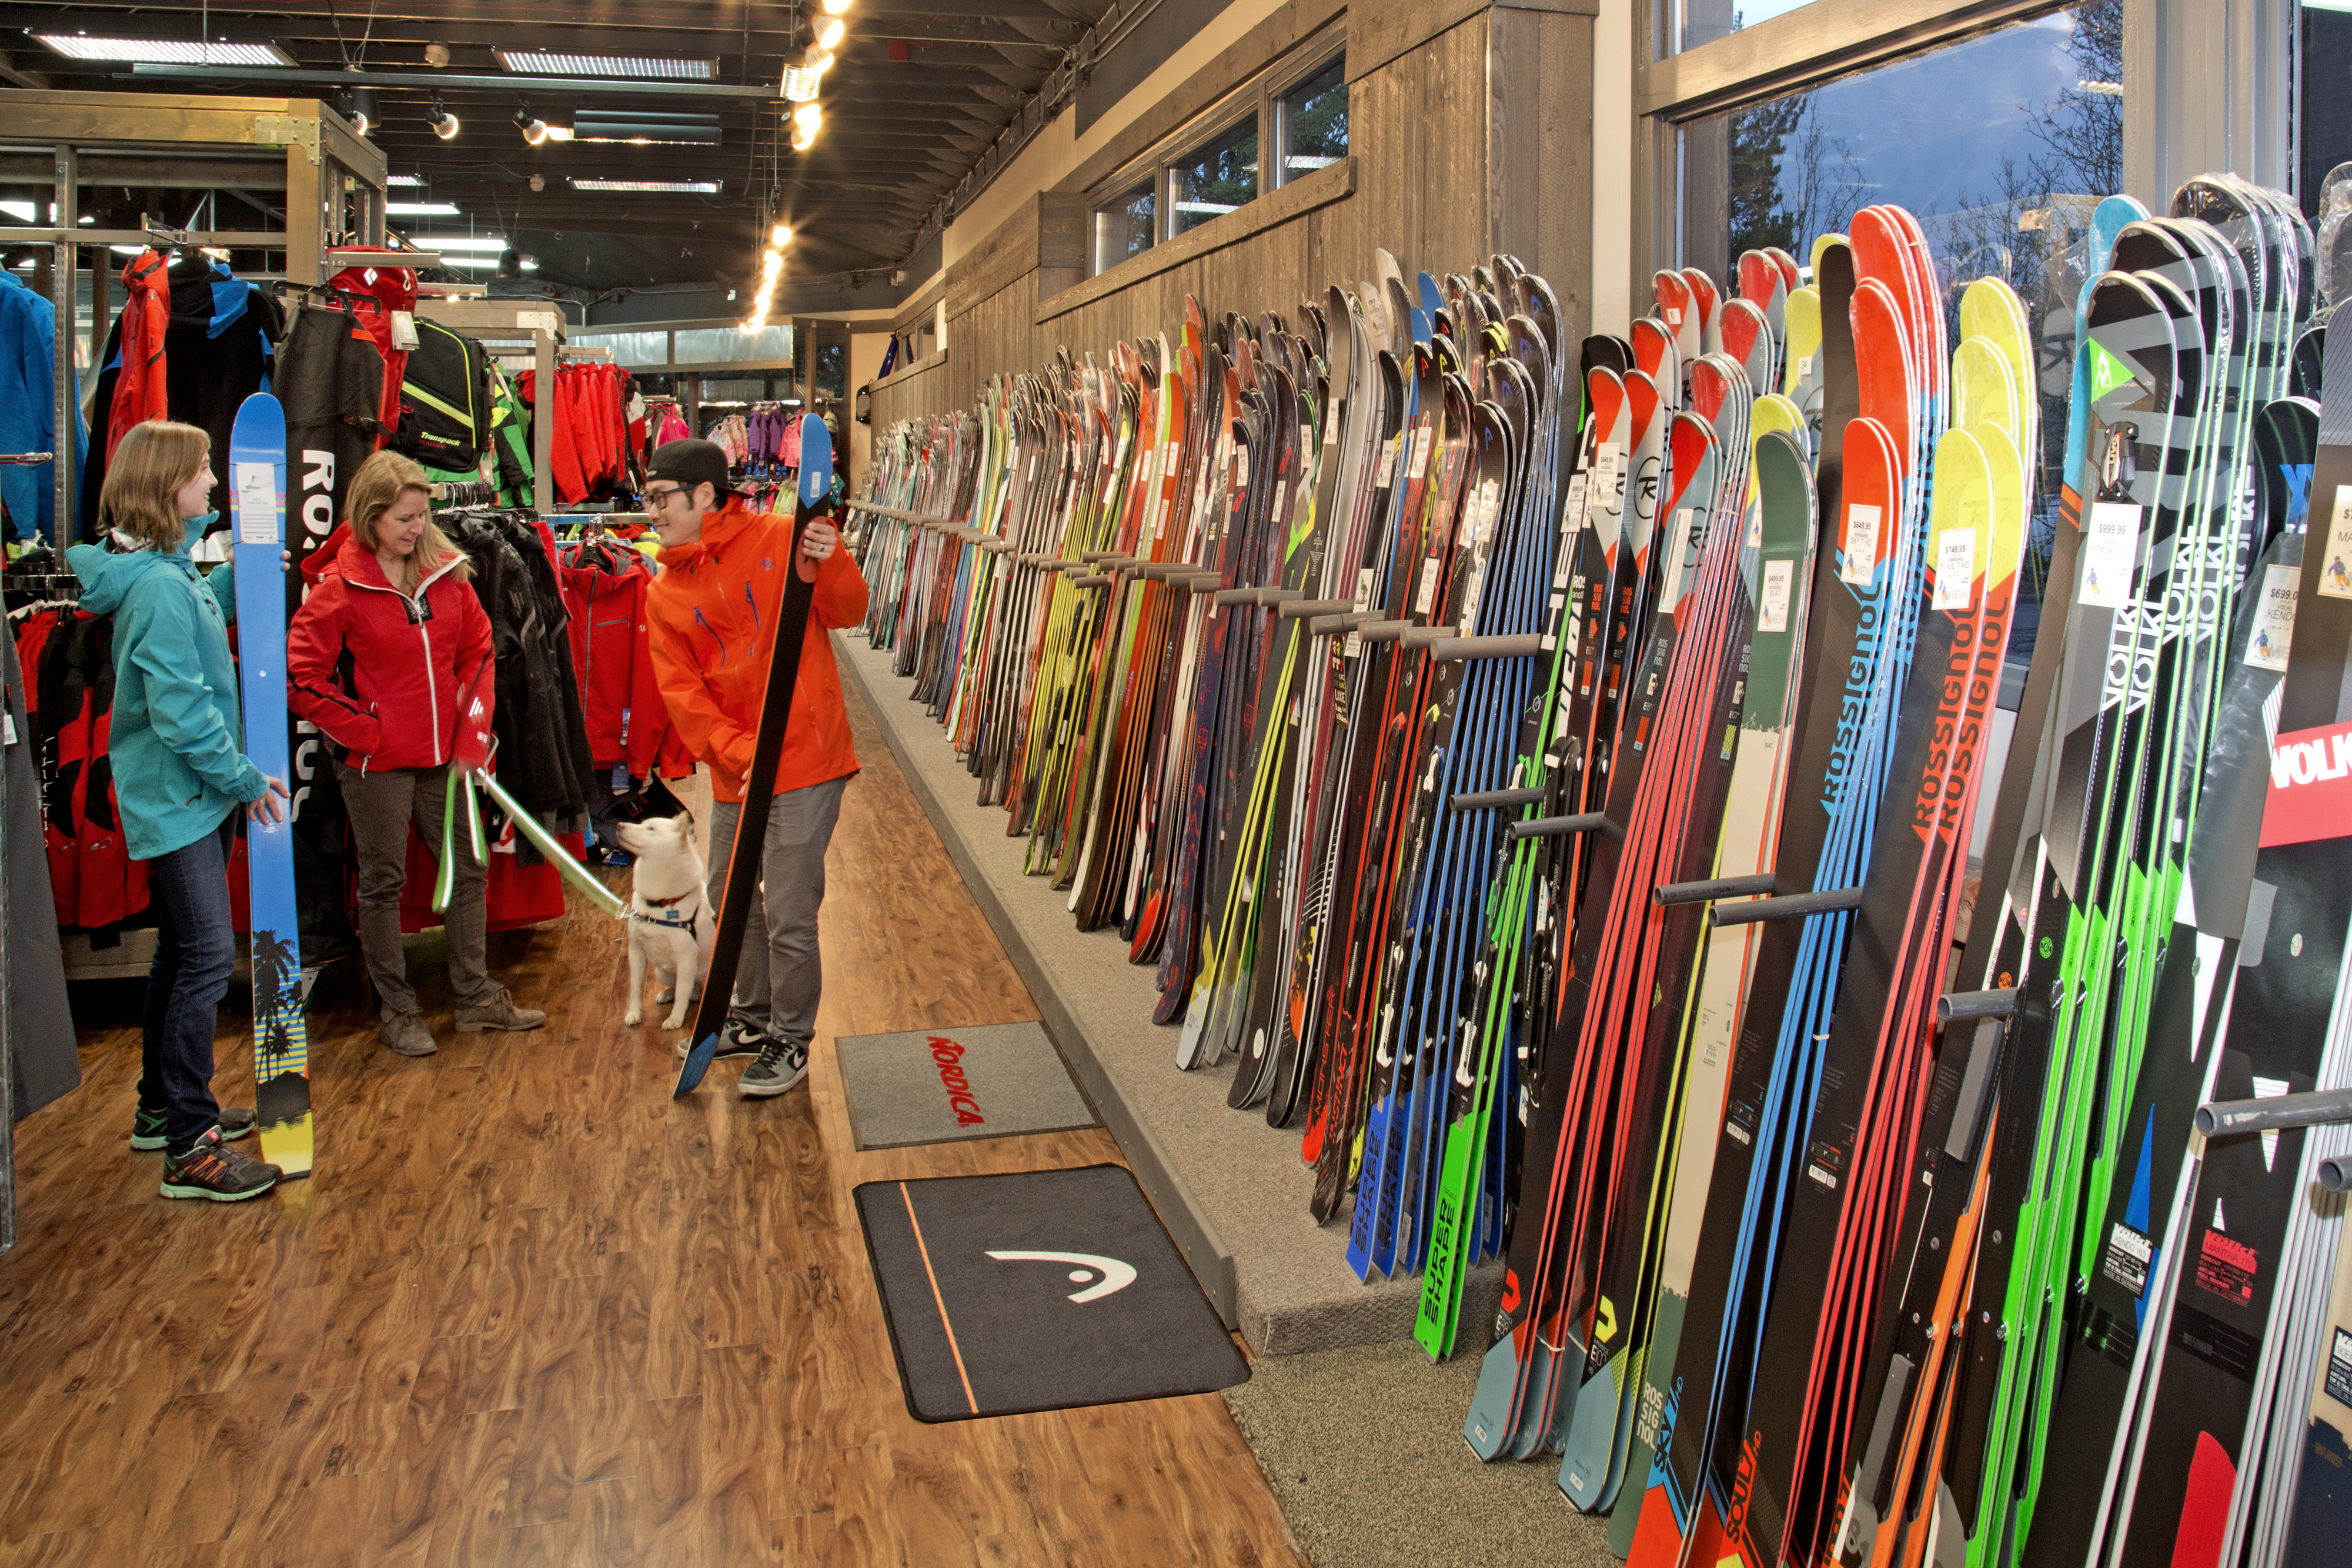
(212, 1169)
(783, 1065)
(147, 1126)
(404, 1034)
(499, 1014)
(736, 1038)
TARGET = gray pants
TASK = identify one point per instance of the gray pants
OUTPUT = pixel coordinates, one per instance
(779, 974)
(381, 805)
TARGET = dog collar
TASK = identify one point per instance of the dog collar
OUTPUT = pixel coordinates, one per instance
(665, 903)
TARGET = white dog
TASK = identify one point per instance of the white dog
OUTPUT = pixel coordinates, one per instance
(671, 922)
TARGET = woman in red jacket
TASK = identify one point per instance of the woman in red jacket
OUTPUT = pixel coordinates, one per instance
(378, 656)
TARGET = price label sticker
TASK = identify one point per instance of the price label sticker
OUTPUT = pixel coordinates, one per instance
(1804, 366)
(1859, 565)
(1428, 590)
(257, 503)
(1955, 568)
(1780, 578)
(2336, 571)
(2273, 629)
(1421, 452)
(2108, 545)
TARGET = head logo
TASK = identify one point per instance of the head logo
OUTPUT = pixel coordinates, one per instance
(1099, 1276)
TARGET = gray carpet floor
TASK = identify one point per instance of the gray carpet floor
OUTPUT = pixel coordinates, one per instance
(1363, 1446)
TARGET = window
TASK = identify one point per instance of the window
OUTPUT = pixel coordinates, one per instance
(1313, 123)
(2324, 140)
(2000, 146)
(1124, 228)
(1213, 179)
(831, 372)
(1190, 179)
(1697, 21)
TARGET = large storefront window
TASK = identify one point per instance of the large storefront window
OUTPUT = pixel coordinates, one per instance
(2324, 140)
(2000, 146)
(1697, 22)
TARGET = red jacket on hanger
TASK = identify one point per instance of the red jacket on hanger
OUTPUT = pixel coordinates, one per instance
(139, 390)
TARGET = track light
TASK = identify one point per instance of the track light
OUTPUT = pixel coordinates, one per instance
(780, 234)
(828, 33)
(835, 7)
(443, 124)
(533, 129)
(804, 71)
(810, 114)
(803, 138)
(358, 105)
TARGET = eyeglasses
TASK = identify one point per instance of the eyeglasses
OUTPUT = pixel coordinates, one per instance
(656, 500)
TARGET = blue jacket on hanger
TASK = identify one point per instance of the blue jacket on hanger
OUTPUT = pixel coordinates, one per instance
(28, 325)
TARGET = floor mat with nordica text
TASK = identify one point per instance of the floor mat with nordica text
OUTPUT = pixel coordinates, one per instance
(929, 1086)
(1037, 1290)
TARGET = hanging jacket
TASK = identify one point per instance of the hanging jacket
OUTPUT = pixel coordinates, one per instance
(713, 612)
(219, 349)
(29, 408)
(176, 747)
(378, 670)
(140, 391)
(605, 587)
(543, 757)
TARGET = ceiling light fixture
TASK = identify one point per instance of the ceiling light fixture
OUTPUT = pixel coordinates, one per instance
(652, 187)
(436, 55)
(443, 124)
(358, 105)
(780, 234)
(533, 129)
(828, 33)
(403, 178)
(835, 7)
(459, 241)
(420, 209)
(165, 51)
(556, 63)
(644, 128)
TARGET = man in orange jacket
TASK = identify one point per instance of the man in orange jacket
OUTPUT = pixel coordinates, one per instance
(712, 615)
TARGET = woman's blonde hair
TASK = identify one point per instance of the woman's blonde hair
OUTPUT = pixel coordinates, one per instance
(381, 480)
(154, 459)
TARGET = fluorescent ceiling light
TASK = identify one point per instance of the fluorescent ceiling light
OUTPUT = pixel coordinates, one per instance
(403, 178)
(472, 260)
(20, 211)
(165, 51)
(641, 127)
(662, 67)
(459, 241)
(674, 187)
(421, 209)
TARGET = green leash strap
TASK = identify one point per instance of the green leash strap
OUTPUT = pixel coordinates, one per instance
(557, 855)
(447, 878)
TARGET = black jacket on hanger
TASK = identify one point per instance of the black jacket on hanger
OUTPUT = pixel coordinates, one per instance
(217, 351)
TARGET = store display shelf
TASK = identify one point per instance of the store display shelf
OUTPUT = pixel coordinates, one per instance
(1231, 1191)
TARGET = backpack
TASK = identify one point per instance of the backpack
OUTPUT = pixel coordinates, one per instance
(444, 410)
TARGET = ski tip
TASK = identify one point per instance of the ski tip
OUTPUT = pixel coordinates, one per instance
(698, 1062)
(816, 460)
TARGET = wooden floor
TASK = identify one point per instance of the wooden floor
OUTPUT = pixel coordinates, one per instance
(531, 1311)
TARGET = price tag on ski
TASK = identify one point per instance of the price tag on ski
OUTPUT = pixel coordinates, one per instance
(281, 1049)
(815, 505)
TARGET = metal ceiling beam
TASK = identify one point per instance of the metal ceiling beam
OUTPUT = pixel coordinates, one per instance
(249, 75)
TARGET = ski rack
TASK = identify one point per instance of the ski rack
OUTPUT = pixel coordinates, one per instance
(2320, 1108)
(1668, 894)
(1478, 800)
(1789, 907)
(1962, 1007)
(2231, 1118)
(897, 514)
(1517, 645)
(1561, 826)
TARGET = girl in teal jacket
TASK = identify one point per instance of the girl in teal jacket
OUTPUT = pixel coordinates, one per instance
(180, 775)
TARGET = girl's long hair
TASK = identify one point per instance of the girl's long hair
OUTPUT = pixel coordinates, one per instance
(154, 459)
(381, 481)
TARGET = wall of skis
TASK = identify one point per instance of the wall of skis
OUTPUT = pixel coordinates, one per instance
(1549, 767)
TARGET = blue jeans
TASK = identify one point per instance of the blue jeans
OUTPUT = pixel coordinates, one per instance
(195, 955)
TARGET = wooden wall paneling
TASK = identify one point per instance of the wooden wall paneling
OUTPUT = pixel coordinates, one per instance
(1540, 158)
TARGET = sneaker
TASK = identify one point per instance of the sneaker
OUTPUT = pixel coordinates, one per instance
(783, 1065)
(736, 1038)
(404, 1034)
(499, 1014)
(212, 1169)
(147, 1126)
